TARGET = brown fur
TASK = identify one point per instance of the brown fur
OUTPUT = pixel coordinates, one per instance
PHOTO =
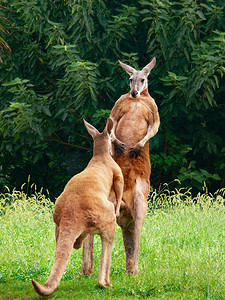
(83, 208)
(133, 117)
(136, 119)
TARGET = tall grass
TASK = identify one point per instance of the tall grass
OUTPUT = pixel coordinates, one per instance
(182, 253)
(26, 233)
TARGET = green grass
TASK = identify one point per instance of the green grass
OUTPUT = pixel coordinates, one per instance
(182, 253)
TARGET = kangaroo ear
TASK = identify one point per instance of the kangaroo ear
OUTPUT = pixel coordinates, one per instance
(108, 126)
(149, 66)
(127, 68)
(91, 129)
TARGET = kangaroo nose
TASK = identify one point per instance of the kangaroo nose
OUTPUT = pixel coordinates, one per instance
(134, 94)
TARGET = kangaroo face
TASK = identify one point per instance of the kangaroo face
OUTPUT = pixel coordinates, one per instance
(138, 83)
(138, 79)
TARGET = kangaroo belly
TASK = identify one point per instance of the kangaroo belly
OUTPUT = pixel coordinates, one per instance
(129, 131)
(133, 168)
(133, 123)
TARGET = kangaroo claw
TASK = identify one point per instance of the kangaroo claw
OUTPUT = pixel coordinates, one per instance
(119, 147)
(134, 152)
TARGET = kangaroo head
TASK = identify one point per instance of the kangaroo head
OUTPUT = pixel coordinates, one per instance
(102, 140)
(138, 79)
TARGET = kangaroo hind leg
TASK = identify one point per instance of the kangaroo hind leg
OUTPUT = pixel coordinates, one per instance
(87, 262)
(131, 234)
(107, 243)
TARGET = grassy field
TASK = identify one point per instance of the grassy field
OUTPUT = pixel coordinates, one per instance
(182, 253)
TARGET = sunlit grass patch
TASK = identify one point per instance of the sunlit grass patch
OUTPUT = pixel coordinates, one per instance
(182, 251)
(166, 198)
(26, 234)
(186, 238)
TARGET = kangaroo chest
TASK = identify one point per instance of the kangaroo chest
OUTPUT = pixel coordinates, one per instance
(136, 107)
(133, 123)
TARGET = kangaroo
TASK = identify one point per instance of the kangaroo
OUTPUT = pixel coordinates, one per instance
(84, 208)
(135, 120)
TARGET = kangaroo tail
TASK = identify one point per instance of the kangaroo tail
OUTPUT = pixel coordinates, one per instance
(64, 246)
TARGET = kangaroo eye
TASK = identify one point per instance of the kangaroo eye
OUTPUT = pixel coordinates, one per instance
(142, 80)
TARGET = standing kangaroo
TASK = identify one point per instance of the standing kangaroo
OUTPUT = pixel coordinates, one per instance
(135, 120)
(83, 208)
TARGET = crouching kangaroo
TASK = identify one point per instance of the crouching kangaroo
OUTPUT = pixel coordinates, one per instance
(83, 208)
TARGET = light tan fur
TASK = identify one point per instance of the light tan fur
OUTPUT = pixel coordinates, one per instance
(84, 208)
(135, 120)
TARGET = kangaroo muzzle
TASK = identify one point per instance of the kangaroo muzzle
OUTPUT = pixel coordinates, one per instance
(134, 94)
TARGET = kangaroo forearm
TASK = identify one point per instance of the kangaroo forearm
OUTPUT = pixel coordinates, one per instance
(118, 188)
(152, 130)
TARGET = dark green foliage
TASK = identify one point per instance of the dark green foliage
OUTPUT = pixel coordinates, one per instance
(63, 68)
(189, 40)
(3, 44)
